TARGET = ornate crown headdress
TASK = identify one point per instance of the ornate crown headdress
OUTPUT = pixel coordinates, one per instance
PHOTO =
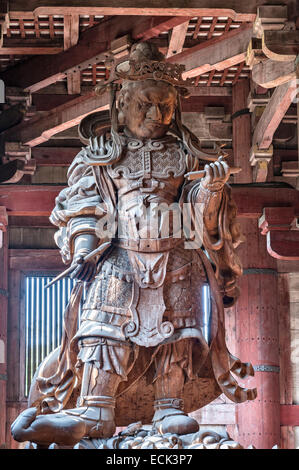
(147, 62)
(155, 70)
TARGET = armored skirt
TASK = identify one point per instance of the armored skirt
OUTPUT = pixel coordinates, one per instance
(105, 337)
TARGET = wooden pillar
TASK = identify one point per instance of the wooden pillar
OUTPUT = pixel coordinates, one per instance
(285, 340)
(241, 131)
(3, 322)
(257, 335)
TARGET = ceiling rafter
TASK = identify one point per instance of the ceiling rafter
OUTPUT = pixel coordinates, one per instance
(218, 53)
(92, 48)
(177, 39)
(244, 11)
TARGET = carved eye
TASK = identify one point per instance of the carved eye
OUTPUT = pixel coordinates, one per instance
(143, 105)
(165, 107)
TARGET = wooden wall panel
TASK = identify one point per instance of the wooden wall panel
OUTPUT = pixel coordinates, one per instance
(32, 238)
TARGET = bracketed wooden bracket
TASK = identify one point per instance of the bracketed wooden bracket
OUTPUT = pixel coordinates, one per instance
(279, 226)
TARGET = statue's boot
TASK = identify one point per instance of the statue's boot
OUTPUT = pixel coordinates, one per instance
(96, 404)
(94, 419)
(97, 413)
(169, 416)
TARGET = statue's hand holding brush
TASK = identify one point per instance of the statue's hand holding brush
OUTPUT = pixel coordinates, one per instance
(216, 175)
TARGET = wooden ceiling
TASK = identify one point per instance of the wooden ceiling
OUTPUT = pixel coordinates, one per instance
(25, 37)
(52, 54)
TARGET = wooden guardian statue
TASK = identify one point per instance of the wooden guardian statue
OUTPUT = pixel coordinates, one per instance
(139, 352)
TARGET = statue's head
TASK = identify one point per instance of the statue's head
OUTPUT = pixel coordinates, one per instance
(149, 93)
(146, 107)
(148, 103)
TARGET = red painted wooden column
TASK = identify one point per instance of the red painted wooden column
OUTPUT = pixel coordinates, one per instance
(3, 321)
(241, 131)
(257, 335)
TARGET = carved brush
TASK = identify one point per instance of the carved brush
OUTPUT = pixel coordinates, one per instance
(193, 175)
(88, 257)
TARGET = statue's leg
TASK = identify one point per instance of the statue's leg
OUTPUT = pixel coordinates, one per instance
(105, 364)
(104, 367)
(172, 368)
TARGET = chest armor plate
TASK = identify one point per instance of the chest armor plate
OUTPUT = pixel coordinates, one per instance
(158, 159)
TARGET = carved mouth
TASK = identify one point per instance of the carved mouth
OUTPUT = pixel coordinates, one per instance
(155, 124)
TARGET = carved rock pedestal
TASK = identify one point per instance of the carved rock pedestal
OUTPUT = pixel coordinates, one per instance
(138, 436)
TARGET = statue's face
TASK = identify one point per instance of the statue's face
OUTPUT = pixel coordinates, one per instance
(148, 108)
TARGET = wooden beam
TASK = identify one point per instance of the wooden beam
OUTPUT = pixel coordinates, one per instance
(200, 96)
(30, 50)
(241, 131)
(93, 46)
(273, 114)
(40, 129)
(70, 30)
(153, 26)
(212, 73)
(240, 68)
(15, 41)
(35, 201)
(283, 245)
(196, 103)
(177, 39)
(251, 200)
(39, 200)
(54, 156)
(218, 53)
(211, 30)
(270, 73)
(74, 83)
(239, 11)
(276, 218)
(35, 260)
(11, 172)
(281, 45)
(197, 28)
(32, 222)
(223, 78)
(48, 101)
(94, 42)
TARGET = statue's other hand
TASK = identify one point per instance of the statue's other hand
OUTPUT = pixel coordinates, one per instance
(216, 176)
(85, 270)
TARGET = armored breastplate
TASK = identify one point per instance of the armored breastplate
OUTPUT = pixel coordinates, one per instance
(150, 159)
(148, 175)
